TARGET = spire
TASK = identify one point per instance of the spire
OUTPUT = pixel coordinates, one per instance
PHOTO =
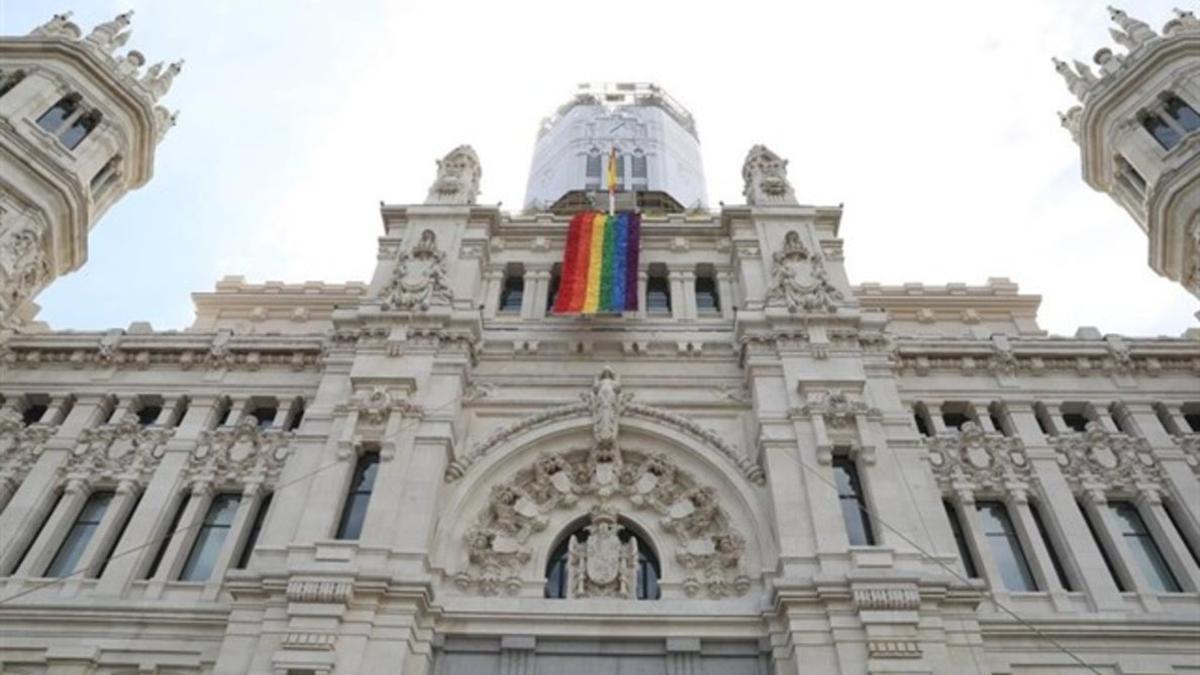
(1139, 32)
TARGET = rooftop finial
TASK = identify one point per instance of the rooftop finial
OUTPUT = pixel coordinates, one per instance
(1139, 32)
(59, 25)
(111, 34)
(158, 80)
(1070, 121)
(1183, 22)
(1109, 62)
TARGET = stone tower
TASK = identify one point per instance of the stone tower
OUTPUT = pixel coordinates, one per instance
(79, 126)
(1135, 128)
(658, 163)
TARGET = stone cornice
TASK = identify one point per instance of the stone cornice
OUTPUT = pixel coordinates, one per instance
(1121, 355)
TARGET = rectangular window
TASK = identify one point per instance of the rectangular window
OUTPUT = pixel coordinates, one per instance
(210, 538)
(361, 485)
(1077, 422)
(707, 301)
(1143, 547)
(297, 414)
(850, 496)
(1006, 548)
(166, 537)
(255, 530)
(637, 167)
(658, 294)
(79, 129)
(33, 413)
(148, 414)
(512, 293)
(265, 415)
(593, 172)
(1162, 132)
(960, 540)
(1059, 571)
(70, 552)
(999, 419)
(955, 420)
(1104, 555)
(54, 118)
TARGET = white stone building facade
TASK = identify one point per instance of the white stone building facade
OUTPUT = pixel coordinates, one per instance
(765, 469)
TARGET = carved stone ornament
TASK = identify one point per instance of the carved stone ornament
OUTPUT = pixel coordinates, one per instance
(109, 35)
(20, 445)
(799, 279)
(120, 449)
(601, 566)
(374, 405)
(975, 459)
(498, 545)
(457, 178)
(836, 406)
(242, 455)
(1106, 460)
(1189, 444)
(59, 25)
(420, 277)
(764, 176)
(606, 403)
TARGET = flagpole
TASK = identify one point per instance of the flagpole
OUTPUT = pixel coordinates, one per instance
(612, 183)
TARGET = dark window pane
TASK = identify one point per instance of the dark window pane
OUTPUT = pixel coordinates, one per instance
(960, 540)
(1193, 421)
(922, 425)
(255, 530)
(955, 420)
(355, 510)
(297, 415)
(265, 415)
(1050, 549)
(1144, 549)
(148, 414)
(593, 166)
(858, 524)
(112, 548)
(79, 130)
(33, 414)
(53, 118)
(1104, 554)
(658, 295)
(1076, 421)
(707, 301)
(512, 293)
(70, 552)
(552, 295)
(1182, 113)
(166, 540)
(1006, 547)
(1162, 132)
(210, 539)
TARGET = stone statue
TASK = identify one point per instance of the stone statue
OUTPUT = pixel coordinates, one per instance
(800, 279)
(59, 25)
(1070, 120)
(601, 565)
(765, 178)
(1109, 62)
(606, 407)
(159, 80)
(163, 120)
(130, 62)
(457, 178)
(1139, 32)
(1075, 83)
(111, 34)
(420, 277)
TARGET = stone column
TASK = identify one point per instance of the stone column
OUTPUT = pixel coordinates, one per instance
(118, 511)
(75, 495)
(683, 656)
(1031, 540)
(537, 289)
(688, 284)
(1183, 484)
(517, 656)
(493, 280)
(1096, 503)
(725, 294)
(964, 505)
(643, 278)
(181, 541)
(678, 303)
(239, 529)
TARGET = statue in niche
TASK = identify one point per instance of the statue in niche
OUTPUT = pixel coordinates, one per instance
(765, 178)
(419, 278)
(457, 178)
(602, 565)
(800, 280)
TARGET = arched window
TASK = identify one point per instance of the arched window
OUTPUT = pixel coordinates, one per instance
(1164, 133)
(53, 118)
(558, 566)
(82, 126)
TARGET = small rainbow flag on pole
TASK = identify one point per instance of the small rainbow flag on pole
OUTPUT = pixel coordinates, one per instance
(600, 264)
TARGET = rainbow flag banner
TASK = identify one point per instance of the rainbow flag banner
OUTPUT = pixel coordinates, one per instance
(600, 264)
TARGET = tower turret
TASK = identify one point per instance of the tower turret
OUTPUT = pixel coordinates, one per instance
(658, 151)
(1138, 132)
(79, 125)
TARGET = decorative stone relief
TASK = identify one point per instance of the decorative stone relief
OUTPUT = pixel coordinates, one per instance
(799, 279)
(607, 404)
(158, 80)
(1107, 460)
(708, 550)
(1137, 33)
(836, 407)
(973, 458)
(20, 445)
(764, 176)
(887, 598)
(374, 405)
(457, 178)
(601, 566)
(242, 455)
(1190, 445)
(320, 590)
(59, 25)
(123, 449)
(420, 277)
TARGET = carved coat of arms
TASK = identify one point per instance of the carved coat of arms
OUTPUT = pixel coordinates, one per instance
(602, 565)
(420, 276)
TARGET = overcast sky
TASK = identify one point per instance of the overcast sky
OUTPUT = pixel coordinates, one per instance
(933, 122)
